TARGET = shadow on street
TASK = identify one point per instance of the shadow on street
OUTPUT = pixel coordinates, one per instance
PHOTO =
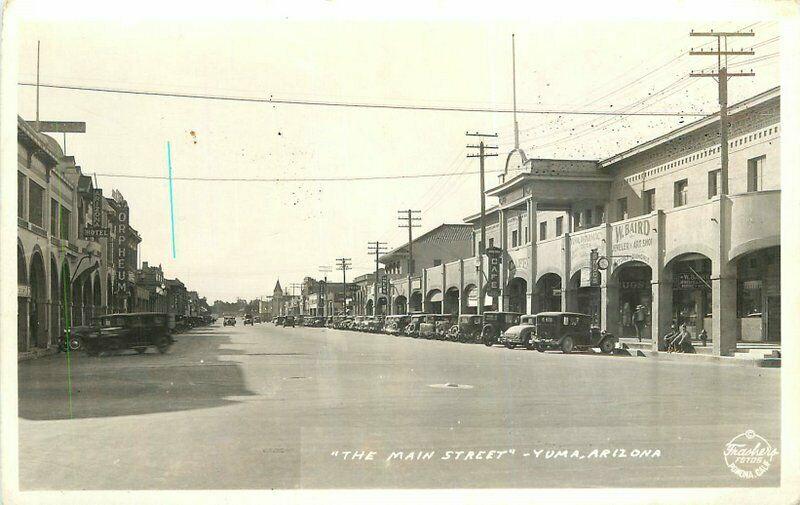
(189, 376)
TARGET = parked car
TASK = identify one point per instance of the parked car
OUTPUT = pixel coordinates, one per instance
(138, 331)
(248, 319)
(520, 334)
(357, 323)
(394, 325)
(288, 321)
(569, 331)
(229, 321)
(319, 322)
(257, 319)
(412, 328)
(467, 329)
(435, 326)
(375, 325)
(495, 323)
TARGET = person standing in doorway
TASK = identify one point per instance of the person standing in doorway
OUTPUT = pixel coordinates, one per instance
(627, 318)
(639, 320)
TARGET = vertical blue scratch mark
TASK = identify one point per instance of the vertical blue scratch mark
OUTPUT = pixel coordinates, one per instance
(171, 201)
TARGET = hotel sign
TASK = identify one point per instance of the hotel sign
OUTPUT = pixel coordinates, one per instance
(95, 230)
(633, 240)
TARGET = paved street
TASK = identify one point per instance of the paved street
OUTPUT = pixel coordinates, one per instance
(266, 407)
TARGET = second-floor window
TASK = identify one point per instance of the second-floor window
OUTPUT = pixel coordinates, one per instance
(681, 192)
(600, 213)
(622, 208)
(559, 226)
(588, 221)
(714, 182)
(543, 230)
(35, 204)
(53, 218)
(649, 198)
(21, 184)
(514, 238)
(65, 217)
(755, 174)
(491, 242)
(527, 236)
(576, 221)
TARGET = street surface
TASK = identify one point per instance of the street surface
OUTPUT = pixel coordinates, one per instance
(264, 407)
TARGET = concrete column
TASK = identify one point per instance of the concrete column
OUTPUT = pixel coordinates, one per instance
(661, 310)
(462, 300)
(609, 304)
(567, 266)
(532, 252)
(503, 302)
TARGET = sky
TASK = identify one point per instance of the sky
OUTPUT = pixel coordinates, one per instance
(235, 239)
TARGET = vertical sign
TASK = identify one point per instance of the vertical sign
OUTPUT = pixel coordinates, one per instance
(594, 271)
(122, 247)
(493, 278)
(384, 284)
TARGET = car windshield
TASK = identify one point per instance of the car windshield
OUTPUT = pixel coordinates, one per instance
(113, 321)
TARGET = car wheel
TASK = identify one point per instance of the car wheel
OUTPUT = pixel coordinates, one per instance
(509, 345)
(607, 346)
(540, 348)
(567, 345)
(141, 350)
(529, 344)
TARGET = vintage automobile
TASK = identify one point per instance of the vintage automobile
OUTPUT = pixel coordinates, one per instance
(412, 328)
(375, 324)
(229, 321)
(519, 334)
(569, 331)
(257, 319)
(279, 320)
(435, 326)
(329, 321)
(137, 331)
(394, 325)
(467, 329)
(357, 323)
(318, 322)
(495, 323)
(289, 321)
(248, 319)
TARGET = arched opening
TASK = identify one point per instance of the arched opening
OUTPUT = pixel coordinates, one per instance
(23, 297)
(451, 301)
(690, 275)
(517, 289)
(471, 297)
(109, 295)
(633, 282)
(548, 293)
(758, 295)
(415, 304)
(400, 305)
(55, 302)
(369, 307)
(585, 298)
(98, 297)
(37, 325)
(433, 302)
(381, 308)
(88, 309)
(65, 297)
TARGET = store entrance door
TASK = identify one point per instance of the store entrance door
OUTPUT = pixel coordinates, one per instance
(773, 329)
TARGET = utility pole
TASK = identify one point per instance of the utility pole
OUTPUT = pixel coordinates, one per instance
(721, 76)
(482, 245)
(408, 219)
(324, 270)
(377, 247)
(344, 265)
(38, 47)
(293, 286)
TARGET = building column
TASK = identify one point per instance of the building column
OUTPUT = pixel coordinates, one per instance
(503, 302)
(567, 294)
(533, 238)
(609, 308)
(444, 287)
(660, 310)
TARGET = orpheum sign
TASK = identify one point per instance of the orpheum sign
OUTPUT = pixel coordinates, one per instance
(633, 240)
(122, 247)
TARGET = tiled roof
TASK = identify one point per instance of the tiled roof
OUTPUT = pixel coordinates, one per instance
(442, 234)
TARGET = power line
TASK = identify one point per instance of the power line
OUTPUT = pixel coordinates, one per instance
(289, 179)
(286, 101)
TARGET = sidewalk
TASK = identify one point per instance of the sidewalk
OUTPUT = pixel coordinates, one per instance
(36, 352)
(758, 354)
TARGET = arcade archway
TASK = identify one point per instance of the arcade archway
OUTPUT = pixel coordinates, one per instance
(548, 293)
(400, 305)
(451, 301)
(517, 289)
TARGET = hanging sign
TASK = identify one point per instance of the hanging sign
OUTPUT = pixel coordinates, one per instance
(495, 255)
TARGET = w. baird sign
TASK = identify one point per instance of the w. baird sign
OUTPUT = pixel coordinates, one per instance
(633, 240)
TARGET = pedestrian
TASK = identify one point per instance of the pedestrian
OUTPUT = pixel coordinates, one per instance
(639, 320)
(703, 337)
(626, 317)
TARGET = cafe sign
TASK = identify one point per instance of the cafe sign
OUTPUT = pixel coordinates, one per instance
(495, 255)
(633, 240)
